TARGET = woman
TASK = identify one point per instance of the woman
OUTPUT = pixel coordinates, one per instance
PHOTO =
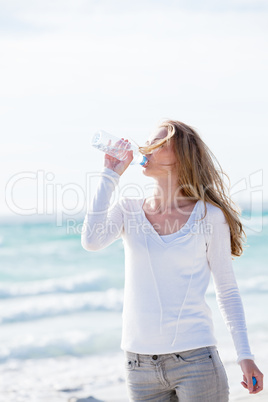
(173, 241)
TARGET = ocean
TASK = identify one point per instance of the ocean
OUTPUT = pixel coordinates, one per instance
(60, 314)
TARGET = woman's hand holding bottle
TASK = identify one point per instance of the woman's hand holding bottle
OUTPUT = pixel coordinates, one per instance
(115, 164)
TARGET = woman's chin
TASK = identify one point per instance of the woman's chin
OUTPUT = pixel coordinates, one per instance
(145, 172)
(148, 172)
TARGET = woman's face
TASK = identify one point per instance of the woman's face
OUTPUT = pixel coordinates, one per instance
(162, 159)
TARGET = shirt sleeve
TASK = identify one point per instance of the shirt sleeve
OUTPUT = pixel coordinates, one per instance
(227, 292)
(103, 223)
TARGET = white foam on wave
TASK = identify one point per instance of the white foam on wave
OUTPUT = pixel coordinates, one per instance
(254, 284)
(28, 309)
(79, 283)
(257, 284)
(74, 342)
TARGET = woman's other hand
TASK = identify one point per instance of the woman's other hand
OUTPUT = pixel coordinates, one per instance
(250, 370)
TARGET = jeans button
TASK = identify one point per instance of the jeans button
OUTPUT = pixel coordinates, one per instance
(155, 357)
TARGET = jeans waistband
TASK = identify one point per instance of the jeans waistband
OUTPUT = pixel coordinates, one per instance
(158, 357)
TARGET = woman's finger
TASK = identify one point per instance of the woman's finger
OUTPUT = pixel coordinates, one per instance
(244, 384)
(249, 383)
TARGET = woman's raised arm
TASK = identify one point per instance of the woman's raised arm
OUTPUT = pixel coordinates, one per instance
(103, 223)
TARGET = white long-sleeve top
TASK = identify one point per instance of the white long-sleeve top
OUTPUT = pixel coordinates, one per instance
(166, 277)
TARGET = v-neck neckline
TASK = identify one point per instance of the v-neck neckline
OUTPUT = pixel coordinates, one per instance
(158, 237)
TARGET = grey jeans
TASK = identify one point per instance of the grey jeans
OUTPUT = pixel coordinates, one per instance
(195, 375)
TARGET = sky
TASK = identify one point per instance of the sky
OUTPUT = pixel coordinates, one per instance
(69, 68)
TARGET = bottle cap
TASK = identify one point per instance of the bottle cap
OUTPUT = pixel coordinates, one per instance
(144, 161)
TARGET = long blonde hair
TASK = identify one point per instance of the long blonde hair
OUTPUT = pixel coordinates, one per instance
(200, 176)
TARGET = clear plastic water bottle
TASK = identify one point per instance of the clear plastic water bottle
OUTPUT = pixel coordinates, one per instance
(108, 143)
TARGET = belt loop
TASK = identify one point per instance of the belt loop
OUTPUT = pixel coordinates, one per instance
(137, 359)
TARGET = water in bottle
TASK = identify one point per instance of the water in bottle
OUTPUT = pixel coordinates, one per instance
(109, 144)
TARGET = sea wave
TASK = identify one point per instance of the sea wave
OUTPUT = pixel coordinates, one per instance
(258, 284)
(80, 283)
(29, 309)
(71, 343)
(253, 285)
